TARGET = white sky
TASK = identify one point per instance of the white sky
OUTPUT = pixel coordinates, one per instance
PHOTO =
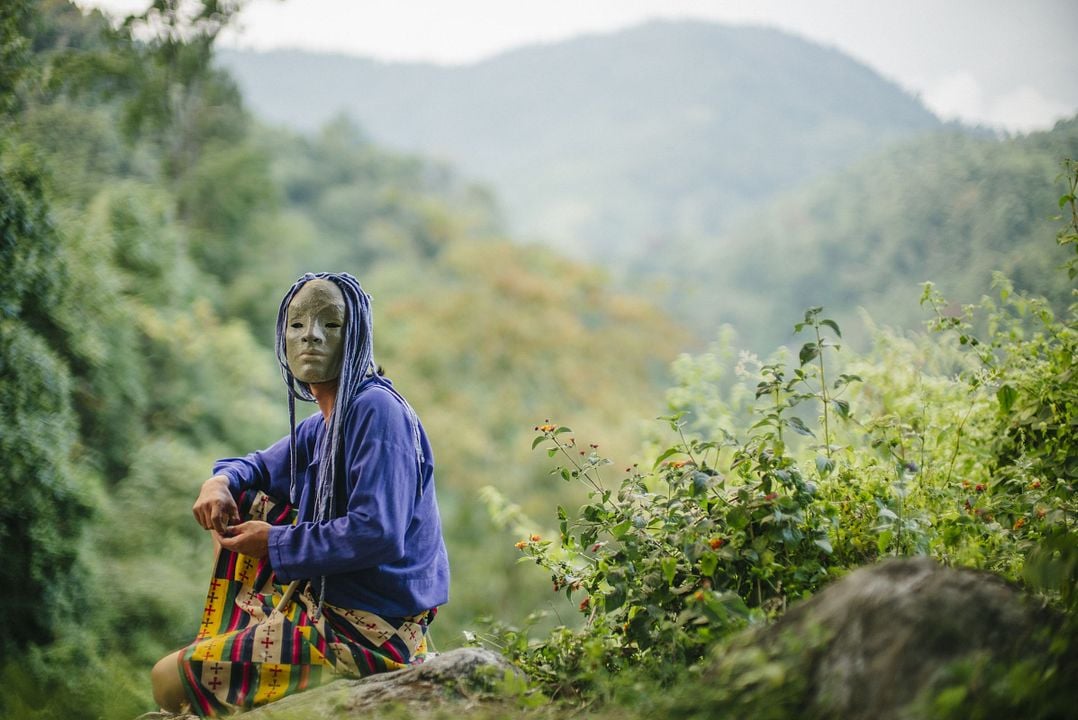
(1005, 63)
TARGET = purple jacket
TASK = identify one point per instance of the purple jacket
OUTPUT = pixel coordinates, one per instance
(384, 551)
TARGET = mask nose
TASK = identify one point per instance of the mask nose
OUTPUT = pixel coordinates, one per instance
(314, 332)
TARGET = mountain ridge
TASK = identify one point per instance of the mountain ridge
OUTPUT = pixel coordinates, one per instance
(602, 143)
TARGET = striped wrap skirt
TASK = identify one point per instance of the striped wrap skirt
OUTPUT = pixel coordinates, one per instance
(247, 653)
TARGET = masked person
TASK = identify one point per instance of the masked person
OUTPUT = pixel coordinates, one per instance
(331, 560)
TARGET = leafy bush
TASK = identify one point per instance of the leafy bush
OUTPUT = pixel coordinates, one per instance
(949, 445)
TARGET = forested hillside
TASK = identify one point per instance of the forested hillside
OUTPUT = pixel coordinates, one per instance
(611, 145)
(948, 208)
(732, 173)
(149, 228)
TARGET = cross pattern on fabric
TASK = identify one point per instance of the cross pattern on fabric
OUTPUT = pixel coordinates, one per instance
(248, 654)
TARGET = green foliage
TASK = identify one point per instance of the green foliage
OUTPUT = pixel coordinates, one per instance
(956, 445)
(14, 52)
(45, 502)
(1068, 235)
(45, 495)
(946, 206)
(675, 558)
(101, 344)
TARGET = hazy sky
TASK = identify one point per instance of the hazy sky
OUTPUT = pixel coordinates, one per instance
(1005, 63)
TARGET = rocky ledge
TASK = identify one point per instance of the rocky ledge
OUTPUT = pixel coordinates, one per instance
(462, 675)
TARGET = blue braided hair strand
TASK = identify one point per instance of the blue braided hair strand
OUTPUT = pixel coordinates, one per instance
(357, 364)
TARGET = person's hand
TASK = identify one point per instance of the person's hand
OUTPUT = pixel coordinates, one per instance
(215, 507)
(249, 538)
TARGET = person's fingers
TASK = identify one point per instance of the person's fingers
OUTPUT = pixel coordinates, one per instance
(223, 514)
(201, 516)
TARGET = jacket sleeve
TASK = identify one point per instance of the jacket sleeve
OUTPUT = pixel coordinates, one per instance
(382, 484)
(266, 470)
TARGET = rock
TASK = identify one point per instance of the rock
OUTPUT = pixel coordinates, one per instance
(464, 674)
(872, 644)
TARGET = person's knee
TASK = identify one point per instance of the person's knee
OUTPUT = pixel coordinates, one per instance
(168, 691)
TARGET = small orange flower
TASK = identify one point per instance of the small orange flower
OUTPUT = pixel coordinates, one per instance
(536, 538)
(546, 428)
(1035, 484)
(678, 464)
(979, 487)
(521, 545)
(716, 543)
(1019, 523)
(584, 604)
(698, 595)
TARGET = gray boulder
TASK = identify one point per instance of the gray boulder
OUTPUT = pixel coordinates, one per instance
(873, 644)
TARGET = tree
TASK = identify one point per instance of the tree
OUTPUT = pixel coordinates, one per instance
(44, 508)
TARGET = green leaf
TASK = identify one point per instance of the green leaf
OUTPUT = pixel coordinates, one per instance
(561, 430)
(842, 408)
(884, 541)
(808, 353)
(799, 426)
(669, 568)
(845, 379)
(666, 454)
(824, 544)
(536, 441)
(737, 519)
(1006, 396)
(824, 465)
(833, 325)
(614, 599)
(708, 562)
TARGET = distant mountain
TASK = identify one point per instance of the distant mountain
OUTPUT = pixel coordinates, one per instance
(610, 145)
